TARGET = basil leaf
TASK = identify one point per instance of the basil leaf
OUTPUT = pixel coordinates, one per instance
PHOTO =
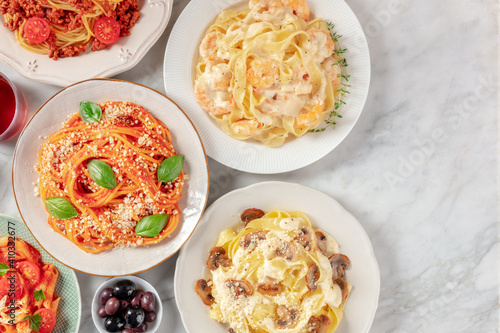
(90, 112)
(60, 208)
(39, 295)
(4, 268)
(152, 225)
(35, 322)
(170, 168)
(102, 173)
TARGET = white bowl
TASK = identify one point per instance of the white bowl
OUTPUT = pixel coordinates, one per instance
(140, 284)
(48, 119)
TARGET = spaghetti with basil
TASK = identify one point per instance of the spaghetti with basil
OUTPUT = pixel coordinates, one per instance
(134, 144)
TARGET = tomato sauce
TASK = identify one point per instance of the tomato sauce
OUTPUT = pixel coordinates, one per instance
(7, 105)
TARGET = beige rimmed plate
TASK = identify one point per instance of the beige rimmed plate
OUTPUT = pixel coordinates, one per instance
(179, 71)
(119, 57)
(323, 211)
(49, 118)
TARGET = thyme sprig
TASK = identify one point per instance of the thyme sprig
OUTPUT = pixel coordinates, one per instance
(340, 60)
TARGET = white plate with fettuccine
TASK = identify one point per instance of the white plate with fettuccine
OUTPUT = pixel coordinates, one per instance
(257, 135)
(323, 212)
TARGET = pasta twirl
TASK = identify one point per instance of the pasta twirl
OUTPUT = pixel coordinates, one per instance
(278, 274)
(267, 72)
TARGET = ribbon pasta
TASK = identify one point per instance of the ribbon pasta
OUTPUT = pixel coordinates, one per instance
(278, 277)
(266, 72)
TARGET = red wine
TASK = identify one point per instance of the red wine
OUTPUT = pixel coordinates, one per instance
(7, 105)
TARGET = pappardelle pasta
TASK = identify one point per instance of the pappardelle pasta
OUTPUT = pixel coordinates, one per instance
(278, 274)
(27, 290)
(267, 71)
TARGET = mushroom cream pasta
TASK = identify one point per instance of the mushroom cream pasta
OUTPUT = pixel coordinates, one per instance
(267, 71)
(278, 274)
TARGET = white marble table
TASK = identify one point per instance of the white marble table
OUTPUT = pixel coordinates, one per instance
(419, 169)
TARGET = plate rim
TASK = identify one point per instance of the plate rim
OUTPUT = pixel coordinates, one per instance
(268, 169)
(363, 234)
(141, 51)
(77, 283)
(122, 81)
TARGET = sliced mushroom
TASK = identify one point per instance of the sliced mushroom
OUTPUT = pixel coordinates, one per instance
(339, 263)
(230, 330)
(312, 277)
(344, 287)
(288, 251)
(239, 287)
(270, 288)
(204, 289)
(249, 241)
(251, 214)
(320, 324)
(217, 257)
(285, 316)
(306, 238)
(322, 242)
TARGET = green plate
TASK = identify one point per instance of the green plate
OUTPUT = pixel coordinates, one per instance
(69, 311)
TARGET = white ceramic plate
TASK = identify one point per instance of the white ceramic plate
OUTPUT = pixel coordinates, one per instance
(182, 54)
(48, 119)
(323, 211)
(70, 307)
(119, 57)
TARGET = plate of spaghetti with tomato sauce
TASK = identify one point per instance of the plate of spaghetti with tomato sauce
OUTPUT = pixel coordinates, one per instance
(119, 186)
(62, 42)
(36, 291)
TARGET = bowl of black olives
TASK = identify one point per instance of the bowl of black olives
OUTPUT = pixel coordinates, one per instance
(126, 304)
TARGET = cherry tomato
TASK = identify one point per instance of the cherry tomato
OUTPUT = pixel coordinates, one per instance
(11, 284)
(30, 271)
(107, 30)
(48, 320)
(36, 29)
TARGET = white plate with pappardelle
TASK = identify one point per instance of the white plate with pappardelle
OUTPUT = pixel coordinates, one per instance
(119, 57)
(122, 259)
(324, 213)
(181, 57)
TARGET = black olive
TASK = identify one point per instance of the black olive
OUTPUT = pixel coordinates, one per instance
(124, 289)
(114, 324)
(134, 316)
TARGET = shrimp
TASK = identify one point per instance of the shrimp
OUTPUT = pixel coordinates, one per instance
(245, 127)
(301, 80)
(298, 7)
(212, 90)
(208, 46)
(307, 117)
(332, 69)
(263, 73)
(322, 44)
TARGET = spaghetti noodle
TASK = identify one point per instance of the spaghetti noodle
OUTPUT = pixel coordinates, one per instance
(133, 143)
(71, 22)
(29, 275)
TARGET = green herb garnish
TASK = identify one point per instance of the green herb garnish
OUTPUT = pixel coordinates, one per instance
(39, 295)
(152, 225)
(4, 268)
(170, 168)
(35, 321)
(90, 112)
(60, 208)
(102, 173)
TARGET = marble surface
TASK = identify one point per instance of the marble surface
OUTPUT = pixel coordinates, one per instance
(419, 170)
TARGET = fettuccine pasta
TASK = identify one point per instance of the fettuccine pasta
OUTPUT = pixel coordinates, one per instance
(278, 274)
(266, 72)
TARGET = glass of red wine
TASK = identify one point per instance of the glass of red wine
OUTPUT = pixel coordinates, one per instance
(12, 108)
